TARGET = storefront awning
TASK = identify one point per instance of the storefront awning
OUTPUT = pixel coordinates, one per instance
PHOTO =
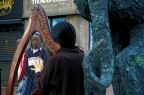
(12, 21)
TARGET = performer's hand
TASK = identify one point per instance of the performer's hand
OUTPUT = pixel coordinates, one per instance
(38, 65)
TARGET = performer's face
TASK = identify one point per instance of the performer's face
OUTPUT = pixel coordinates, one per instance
(35, 42)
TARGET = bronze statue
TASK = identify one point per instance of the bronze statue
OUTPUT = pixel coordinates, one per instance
(123, 21)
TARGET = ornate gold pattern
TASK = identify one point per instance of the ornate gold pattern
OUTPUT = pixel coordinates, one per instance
(5, 7)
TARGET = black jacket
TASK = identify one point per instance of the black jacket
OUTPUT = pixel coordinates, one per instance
(63, 74)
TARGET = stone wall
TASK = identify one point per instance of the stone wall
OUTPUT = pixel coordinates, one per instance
(63, 7)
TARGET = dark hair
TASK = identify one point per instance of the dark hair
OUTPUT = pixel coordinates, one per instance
(64, 33)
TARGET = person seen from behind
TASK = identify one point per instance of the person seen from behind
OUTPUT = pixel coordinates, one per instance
(63, 73)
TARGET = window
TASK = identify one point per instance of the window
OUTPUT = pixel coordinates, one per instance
(90, 36)
(54, 21)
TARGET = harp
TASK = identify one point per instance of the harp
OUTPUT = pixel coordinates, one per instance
(38, 21)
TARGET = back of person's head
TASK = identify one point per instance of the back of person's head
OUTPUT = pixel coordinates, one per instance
(64, 34)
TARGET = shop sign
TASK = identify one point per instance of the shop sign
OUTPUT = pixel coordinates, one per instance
(10, 9)
(46, 1)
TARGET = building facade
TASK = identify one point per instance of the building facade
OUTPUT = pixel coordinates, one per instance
(58, 10)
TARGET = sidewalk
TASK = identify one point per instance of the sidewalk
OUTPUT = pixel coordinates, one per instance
(109, 90)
